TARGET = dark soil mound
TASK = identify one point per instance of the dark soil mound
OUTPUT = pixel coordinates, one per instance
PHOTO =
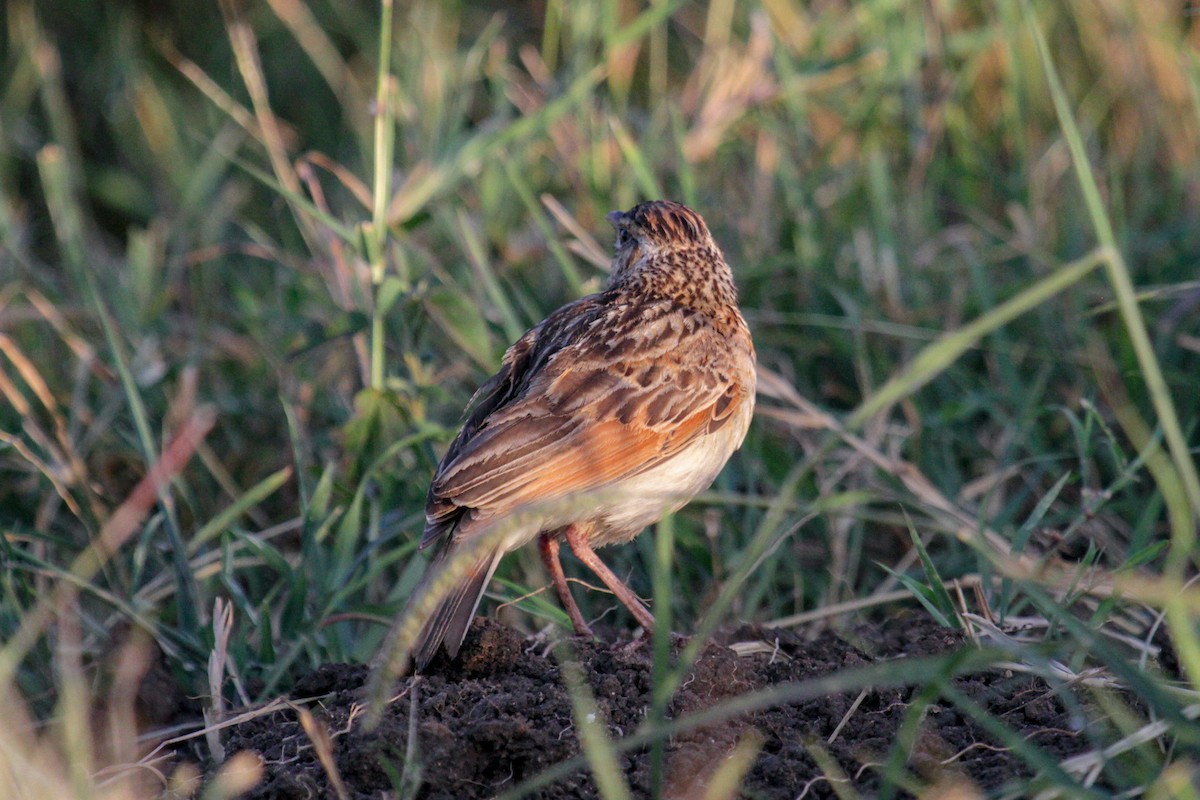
(500, 715)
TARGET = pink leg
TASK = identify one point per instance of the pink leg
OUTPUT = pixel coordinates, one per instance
(577, 538)
(548, 545)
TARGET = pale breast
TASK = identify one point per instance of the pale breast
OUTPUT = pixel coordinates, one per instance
(645, 498)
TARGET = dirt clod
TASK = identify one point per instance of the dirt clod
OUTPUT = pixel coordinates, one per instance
(500, 715)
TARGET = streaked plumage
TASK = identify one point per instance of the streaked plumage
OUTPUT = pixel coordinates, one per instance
(640, 392)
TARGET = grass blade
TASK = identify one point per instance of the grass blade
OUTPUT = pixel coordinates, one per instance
(1181, 485)
(251, 497)
(943, 352)
(593, 735)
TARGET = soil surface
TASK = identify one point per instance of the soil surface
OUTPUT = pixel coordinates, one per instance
(500, 715)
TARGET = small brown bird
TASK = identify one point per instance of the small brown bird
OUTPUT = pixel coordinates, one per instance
(635, 397)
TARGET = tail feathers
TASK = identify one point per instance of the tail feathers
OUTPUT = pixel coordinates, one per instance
(449, 623)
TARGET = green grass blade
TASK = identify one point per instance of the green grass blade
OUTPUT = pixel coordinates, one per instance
(384, 146)
(637, 160)
(566, 263)
(1033, 755)
(66, 214)
(664, 551)
(437, 178)
(252, 497)
(344, 232)
(593, 735)
(644, 22)
(476, 251)
(937, 588)
(943, 352)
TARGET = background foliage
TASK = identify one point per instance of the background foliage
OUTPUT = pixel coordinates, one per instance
(231, 228)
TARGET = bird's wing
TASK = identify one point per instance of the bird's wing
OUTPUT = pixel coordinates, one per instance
(606, 393)
(522, 361)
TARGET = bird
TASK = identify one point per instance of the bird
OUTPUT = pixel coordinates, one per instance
(631, 399)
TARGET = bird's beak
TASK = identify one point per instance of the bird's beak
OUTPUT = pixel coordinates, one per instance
(615, 217)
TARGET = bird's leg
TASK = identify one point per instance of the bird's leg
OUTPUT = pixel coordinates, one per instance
(577, 538)
(548, 546)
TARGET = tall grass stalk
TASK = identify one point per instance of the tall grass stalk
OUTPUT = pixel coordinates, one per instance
(376, 237)
(664, 560)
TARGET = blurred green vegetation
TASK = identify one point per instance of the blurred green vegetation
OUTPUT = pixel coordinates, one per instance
(189, 226)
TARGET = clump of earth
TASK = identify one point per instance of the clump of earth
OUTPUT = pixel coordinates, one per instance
(500, 715)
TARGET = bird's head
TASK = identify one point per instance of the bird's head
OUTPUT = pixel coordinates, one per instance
(651, 230)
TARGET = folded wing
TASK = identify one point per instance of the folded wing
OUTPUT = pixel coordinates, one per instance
(562, 419)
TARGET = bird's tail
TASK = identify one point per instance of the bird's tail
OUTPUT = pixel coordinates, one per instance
(450, 620)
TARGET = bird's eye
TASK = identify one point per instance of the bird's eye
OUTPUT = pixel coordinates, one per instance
(622, 237)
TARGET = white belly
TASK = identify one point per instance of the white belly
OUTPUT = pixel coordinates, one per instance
(644, 499)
